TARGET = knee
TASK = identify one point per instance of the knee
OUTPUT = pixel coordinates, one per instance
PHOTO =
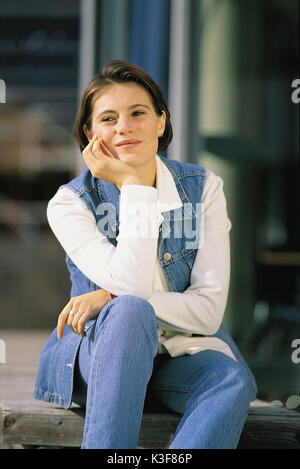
(133, 315)
(134, 309)
(229, 376)
(239, 377)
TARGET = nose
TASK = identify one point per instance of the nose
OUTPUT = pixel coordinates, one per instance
(124, 125)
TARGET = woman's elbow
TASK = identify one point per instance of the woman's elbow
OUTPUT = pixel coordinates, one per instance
(213, 328)
(216, 315)
(216, 321)
(131, 288)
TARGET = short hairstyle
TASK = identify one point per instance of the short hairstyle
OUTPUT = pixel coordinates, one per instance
(120, 71)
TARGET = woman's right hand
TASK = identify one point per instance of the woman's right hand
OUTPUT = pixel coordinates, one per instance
(104, 163)
(80, 309)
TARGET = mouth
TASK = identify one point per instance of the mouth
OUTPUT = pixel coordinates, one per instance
(128, 143)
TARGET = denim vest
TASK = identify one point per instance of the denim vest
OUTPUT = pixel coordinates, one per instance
(189, 180)
(178, 238)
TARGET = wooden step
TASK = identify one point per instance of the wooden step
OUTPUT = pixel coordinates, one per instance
(27, 422)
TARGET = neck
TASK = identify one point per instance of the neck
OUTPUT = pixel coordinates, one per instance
(147, 173)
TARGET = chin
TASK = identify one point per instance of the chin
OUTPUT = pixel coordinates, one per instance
(130, 158)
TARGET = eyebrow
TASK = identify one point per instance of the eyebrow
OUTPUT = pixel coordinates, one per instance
(130, 107)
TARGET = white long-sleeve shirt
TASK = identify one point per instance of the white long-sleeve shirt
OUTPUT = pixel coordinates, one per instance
(132, 267)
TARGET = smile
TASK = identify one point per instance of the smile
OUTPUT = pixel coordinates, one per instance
(128, 143)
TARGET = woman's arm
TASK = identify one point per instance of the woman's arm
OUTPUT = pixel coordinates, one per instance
(200, 308)
(125, 269)
(129, 267)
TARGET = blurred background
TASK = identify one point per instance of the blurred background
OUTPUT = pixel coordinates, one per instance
(226, 68)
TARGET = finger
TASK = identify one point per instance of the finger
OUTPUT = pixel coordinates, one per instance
(89, 146)
(97, 147)
(62, 319)
(77, 317)
(105, 150)
(91, 142)
(104, 147)
(89, 159)
(71, 318)
(110, 149)
(81, 324)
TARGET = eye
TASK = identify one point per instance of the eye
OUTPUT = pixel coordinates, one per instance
(138, 113)
(107, 119)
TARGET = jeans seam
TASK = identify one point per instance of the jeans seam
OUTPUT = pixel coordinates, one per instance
(94, 380)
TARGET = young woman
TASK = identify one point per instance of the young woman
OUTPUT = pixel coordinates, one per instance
(147, 244)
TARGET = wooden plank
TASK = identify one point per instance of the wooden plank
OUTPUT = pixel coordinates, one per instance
(271, 427)
(42, 426)
(26, 421)
(65, 427)
(266, 427)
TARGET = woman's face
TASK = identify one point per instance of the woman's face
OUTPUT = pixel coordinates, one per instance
(124, 116)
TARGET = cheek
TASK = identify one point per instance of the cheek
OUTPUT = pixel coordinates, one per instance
(104, 132)
(152, 131)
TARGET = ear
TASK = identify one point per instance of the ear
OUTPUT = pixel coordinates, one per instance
(88, 133)
(161, 124)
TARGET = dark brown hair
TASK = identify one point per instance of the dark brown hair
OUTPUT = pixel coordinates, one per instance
(119, 71)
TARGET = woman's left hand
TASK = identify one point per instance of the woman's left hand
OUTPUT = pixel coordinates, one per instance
(104, 163)
(80, 309)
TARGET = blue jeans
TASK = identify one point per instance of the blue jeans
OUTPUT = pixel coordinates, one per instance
(118, 368)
